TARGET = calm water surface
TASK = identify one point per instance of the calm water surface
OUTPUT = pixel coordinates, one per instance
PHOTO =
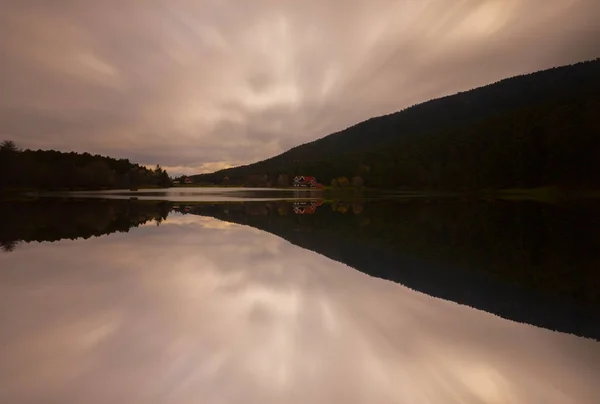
(108, 301)
(205, 194)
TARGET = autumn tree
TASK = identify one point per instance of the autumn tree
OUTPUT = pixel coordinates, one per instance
(343, 182)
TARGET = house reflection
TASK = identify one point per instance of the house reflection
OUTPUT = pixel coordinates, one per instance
(306, 207)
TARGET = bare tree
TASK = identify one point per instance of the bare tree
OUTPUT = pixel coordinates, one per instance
(8, 146)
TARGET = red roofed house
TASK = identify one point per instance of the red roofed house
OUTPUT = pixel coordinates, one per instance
(306, 182)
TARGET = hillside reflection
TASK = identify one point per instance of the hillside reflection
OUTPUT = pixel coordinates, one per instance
(528, 262)
(201, 309)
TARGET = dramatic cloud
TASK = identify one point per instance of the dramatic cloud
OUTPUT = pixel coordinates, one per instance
(200, 85)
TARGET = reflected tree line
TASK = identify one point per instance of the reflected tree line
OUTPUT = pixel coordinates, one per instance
(551, 249)
(529, 262)
(53, 219)
(526, 261)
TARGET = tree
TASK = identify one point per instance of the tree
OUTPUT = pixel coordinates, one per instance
(8, 246)
(8, 152)
(256, 180)
(158, 170)
(343, 182)
(283, 180)
(164, 180)
(54, 170)
(357, 181)
(8, 146)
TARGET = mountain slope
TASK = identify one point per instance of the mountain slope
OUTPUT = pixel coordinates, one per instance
(527, 131)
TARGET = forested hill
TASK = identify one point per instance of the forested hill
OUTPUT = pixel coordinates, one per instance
(527, 131)
(54, 170)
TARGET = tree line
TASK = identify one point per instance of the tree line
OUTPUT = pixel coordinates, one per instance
(55, 170)
(528, 131)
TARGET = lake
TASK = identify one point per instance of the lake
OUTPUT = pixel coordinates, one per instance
(244, 296)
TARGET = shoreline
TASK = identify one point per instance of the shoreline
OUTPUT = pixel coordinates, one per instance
(547, 194)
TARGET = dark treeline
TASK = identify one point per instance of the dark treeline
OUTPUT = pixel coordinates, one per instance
(529, 262)
(53, 219)
(529, 131)
(54, 170)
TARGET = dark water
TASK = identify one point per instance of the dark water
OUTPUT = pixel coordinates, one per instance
(176, 301)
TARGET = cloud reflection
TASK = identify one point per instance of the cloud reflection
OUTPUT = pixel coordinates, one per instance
(196, 311)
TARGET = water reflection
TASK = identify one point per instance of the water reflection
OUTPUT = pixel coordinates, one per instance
(201, 310)
(197, 194)
(527, 262)
(55, 219)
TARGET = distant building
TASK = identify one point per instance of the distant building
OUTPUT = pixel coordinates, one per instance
(302, 181)
(187, 180)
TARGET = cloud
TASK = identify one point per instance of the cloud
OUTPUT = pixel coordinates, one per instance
(210, 84)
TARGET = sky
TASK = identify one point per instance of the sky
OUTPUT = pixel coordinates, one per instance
(200, 85)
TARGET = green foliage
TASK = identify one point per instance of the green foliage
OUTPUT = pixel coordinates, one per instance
(54, 170)
(528, 131)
